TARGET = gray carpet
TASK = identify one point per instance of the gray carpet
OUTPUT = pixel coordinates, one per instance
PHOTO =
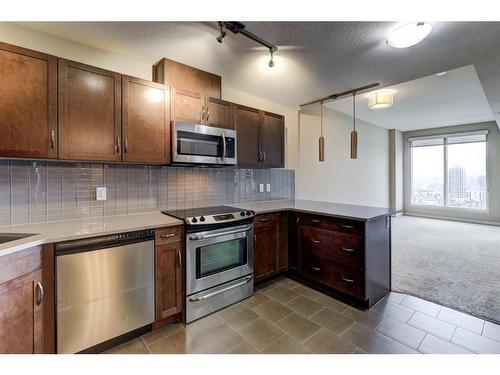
(454, 264)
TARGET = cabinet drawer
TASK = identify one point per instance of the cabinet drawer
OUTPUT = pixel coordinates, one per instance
(340, 247)
(169, 235)
(335, 275)
(266, 221)
(335, 224)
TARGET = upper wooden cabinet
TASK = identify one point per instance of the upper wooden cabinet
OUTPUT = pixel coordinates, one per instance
(263, 134)
(28, 103)
(219, 113)
(145, 121)
(175, 74)
(89, 113)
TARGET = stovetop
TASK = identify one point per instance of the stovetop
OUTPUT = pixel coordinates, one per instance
(201, 211)
(211, 216)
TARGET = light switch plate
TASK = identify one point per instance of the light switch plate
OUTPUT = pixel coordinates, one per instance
(261, 188)
(268, 187)
(100, 193)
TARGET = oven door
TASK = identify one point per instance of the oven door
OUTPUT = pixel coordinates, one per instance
(200, 144)
(218, 256)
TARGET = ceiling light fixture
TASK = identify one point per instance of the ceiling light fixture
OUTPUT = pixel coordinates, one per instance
(271, 62)
(408, 34)
(222, 34)
(381, 100)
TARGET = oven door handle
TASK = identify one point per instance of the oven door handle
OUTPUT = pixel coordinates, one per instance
(213, 294)
(200, 237)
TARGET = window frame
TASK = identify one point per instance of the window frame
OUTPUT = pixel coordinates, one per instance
(445, 144)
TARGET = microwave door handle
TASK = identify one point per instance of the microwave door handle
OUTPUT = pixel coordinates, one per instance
(223, 156)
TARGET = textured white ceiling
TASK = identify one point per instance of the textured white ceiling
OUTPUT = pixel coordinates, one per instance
(315, 58)
(429, 102)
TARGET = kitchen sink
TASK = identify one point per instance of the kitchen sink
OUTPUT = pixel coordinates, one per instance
(7, 237)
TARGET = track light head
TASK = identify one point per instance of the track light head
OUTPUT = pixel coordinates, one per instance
(222, 34)
(271, 62)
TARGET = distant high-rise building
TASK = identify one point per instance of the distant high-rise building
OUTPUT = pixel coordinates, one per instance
(456, 182)
(481, 182)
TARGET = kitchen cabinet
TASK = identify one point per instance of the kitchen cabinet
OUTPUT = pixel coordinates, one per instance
(220, 113)
(169, 260)
(28, 103)
(21, 303)
(270, 255)
(89, 112)
(145, 121)
(263, 133)
(175, 74)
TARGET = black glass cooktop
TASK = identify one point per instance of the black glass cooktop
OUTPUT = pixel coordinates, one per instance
(201, 211)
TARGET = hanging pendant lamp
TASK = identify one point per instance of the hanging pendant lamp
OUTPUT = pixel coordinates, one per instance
(354, 133)
(321, 138)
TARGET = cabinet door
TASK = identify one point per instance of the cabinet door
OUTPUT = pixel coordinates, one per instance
(168, 265)
(145, 121)
(89, 113)
(28, 103)
(187, 106)
(219, 113)
(247, 122)
(272, 138)
(21, 315)
(266, 246)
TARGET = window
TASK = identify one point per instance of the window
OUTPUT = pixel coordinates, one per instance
(449, 171)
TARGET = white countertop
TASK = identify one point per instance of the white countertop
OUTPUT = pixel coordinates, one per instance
(76, 229)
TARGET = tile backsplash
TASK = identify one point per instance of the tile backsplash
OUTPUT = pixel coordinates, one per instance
(40, 191)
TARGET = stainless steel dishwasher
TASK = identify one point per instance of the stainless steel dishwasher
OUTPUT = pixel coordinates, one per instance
(105, 288)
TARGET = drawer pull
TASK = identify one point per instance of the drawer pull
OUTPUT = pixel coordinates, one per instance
(348, 250)
(347, 226)
(347, 280)
(315, 221)
(169, 235)
(315, 268)
(264, 219)
(315, 241)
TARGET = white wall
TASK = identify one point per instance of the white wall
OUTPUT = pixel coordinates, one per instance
(396, 169)
(363, 181)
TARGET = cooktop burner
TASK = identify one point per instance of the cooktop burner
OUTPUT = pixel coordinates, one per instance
(211, 215)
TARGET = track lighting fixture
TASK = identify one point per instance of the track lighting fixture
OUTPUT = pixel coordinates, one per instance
(271, 62)
(222, 34)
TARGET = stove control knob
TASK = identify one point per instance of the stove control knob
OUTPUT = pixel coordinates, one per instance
(202, 218)
(249, 213)
(242, 213)
(194, 220)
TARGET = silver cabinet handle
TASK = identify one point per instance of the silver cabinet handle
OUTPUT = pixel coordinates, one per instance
(125, 145)
(208, 114)
(347, 226)
(264, 155)
(223, 152)
(260, 155)
(348, 249)
(315, 221)
(200, 237)
(264, 219)
(213, 294)
(202, 113)
(315, 241)
(315, 268)
(180, 258)
(169, 235)
(39, 297)
(118, 145)
(52, 139)
(347, 280)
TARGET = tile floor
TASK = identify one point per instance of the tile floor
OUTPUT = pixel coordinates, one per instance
(284, 316)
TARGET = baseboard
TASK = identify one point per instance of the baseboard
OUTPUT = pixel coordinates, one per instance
(494, 223)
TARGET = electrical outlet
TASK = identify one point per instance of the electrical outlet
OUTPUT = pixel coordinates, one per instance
(268, 187)
(100, 193)
(261, 188)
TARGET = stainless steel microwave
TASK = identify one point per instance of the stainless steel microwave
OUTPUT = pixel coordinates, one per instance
(200, 144)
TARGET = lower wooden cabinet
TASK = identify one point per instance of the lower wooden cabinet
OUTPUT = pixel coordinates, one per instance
(21, 303)
(169, 260)
(270, 254)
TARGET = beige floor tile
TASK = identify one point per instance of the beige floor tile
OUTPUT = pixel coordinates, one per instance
(369, 318)
(202, 325)
(460, 319)
(421, 305)
(177, 343)
(359, 351)
(367, 339)
(255, 300)
(289, 283)
(244, 348)
(435, 345)
(432, 325)
(394, 297)
(281, 294)
(304, 306)
(393, 310)
(285, 345)
(240, 318)
(398, 348)
(135, 346)
(160, 333)
(298, 327)
(332, 320)
(474, 342)
(220, 340)
(332, 303)
(308, 292)
(272, 311)
(260, 333)
(491, 331)
(326, 342)
(401, 332)
(262, 287)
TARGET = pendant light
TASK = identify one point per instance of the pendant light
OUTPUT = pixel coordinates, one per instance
(354, 133)
(321, 138)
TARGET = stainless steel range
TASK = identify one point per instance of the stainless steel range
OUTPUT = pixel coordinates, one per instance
(219, 257)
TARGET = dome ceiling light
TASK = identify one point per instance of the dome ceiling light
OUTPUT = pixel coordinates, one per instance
(381, 100)
(409, 34)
